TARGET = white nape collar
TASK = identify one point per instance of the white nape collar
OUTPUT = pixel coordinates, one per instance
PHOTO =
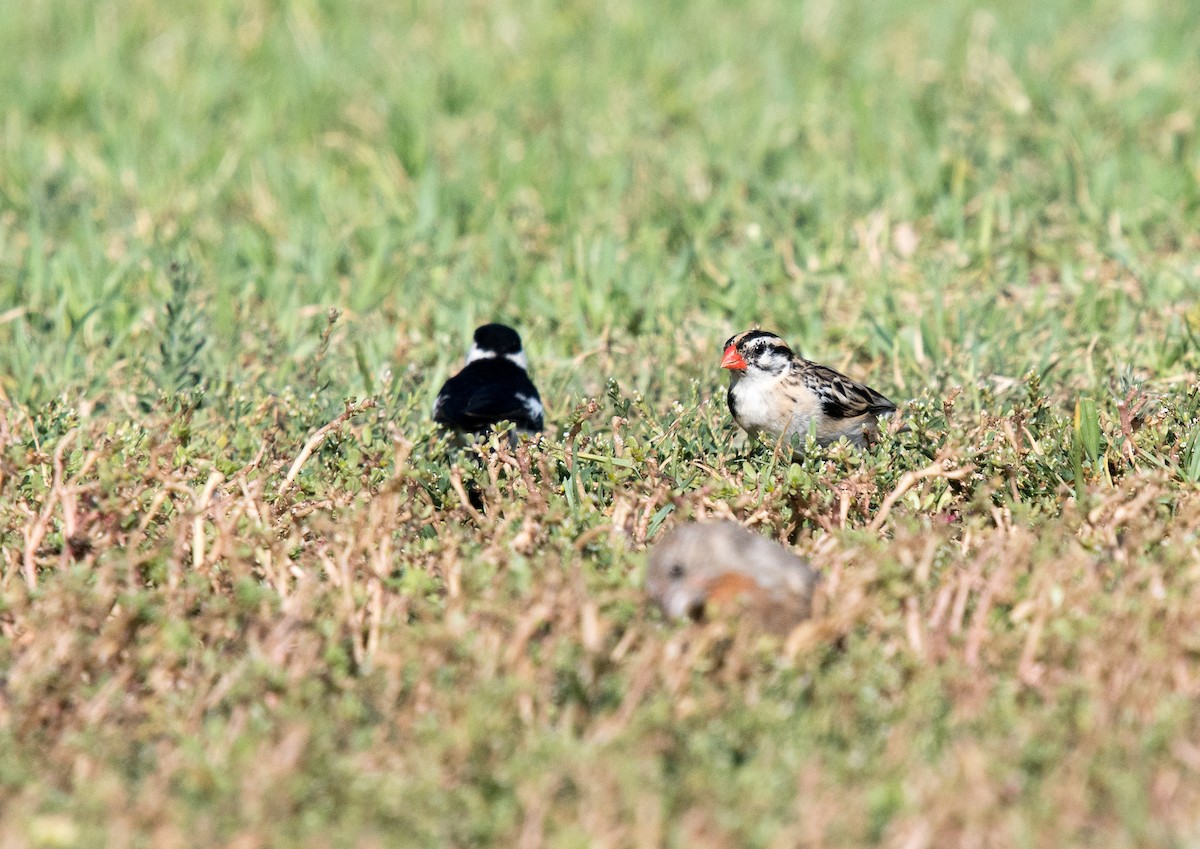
(476, 353)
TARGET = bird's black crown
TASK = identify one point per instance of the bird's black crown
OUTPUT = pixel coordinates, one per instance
(499, 339)
(759, 341)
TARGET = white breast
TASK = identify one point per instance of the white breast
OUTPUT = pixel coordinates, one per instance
(764, 406)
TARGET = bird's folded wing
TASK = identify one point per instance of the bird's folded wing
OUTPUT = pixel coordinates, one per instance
(493, 404)
(843, 398)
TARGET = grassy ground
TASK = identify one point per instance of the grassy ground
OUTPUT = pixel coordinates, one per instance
(219, 629)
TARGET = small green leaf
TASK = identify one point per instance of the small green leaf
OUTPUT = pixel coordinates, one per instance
(1087, 428)
(1077, 463)
(1191, 456)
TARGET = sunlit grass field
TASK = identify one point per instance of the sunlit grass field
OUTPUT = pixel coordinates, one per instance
(246, 599)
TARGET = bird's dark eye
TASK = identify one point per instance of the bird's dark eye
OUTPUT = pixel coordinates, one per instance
(675, 572)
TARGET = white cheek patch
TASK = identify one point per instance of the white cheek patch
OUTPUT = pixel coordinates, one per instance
(774, 363)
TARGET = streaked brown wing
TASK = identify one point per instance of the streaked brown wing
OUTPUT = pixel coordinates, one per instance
(841, 397)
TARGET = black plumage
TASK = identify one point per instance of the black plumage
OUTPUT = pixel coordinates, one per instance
(492, 387)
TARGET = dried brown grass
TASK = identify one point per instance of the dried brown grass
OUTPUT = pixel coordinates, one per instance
(202, 657)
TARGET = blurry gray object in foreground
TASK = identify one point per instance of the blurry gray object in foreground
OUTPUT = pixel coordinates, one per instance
(700, 569)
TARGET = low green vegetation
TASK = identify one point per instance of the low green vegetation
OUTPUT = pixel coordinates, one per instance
(245, 597)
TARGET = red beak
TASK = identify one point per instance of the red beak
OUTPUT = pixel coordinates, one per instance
(733, 360)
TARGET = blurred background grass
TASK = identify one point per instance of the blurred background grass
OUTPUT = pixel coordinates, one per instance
(943, 184)
(991, 210)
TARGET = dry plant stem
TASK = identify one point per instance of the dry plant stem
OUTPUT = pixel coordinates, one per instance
(912, 622)
(36, 532)
(402, 450)
(572, 449)
(966, 580)
(318, 436)
(525, 629)
(532, 490)
(250, 502)
(1029, 671)
(463, 499)
(242, 473)
(977, 631)
(202, 503)
(909, 480)
(647, 666)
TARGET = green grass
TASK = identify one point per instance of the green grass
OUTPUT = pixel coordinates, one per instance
(989, 215)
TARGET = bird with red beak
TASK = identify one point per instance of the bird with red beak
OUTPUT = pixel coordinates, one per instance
(777, 394)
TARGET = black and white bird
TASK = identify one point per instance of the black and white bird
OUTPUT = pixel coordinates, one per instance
(493, 386)
(778, 394)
